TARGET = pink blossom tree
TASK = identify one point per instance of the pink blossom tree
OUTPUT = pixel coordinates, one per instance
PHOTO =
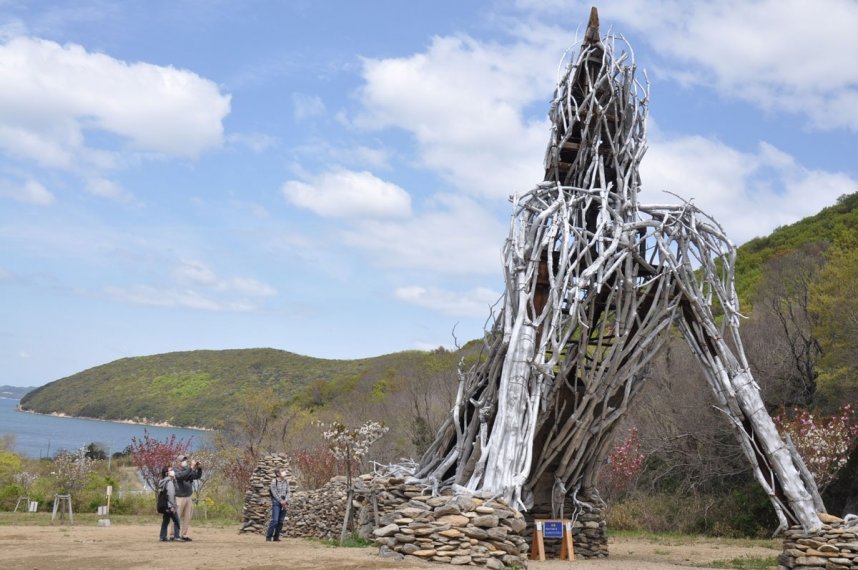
(823, 442)
(150, 455)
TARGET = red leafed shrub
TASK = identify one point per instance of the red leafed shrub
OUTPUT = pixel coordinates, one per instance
(625, 463)
(151, 455)
(823, 442)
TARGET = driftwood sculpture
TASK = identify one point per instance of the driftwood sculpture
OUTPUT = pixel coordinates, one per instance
(594, 282)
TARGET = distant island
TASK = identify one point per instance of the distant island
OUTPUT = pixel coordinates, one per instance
(14, 392)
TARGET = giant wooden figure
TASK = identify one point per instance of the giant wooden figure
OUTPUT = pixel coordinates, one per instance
(594, 281)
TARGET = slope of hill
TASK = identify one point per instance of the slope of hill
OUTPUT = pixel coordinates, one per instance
(14, 392)
(201, 388)
(826, 226)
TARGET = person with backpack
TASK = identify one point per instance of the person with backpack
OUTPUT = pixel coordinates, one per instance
(279, 491)
(167, 503)
(186, 474)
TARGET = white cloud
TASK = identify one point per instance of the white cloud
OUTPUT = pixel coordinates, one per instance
(785, 55)
(307, 106)
(454, 235)
(196, 273)
(749, 194)
(188, 298)
(474, 303)
(55, 94)
(346, 193)
(30, 192)
(464, 103)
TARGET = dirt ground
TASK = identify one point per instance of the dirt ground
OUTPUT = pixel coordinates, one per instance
(84, 546)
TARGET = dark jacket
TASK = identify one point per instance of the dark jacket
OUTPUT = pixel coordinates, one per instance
(185, 480)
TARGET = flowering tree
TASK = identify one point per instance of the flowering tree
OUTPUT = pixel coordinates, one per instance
(25, 479)
(350, 444)
(151, 455)
(823, 442)
(624, 465)
(72, 468)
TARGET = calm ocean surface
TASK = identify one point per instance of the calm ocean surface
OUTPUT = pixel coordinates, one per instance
(43, 436)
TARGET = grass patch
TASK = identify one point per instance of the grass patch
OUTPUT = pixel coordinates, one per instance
(747, 563)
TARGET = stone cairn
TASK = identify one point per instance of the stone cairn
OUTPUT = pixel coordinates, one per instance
(833, 547)
(257, 502)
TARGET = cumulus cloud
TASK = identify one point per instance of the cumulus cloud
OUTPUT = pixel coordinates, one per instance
(54, 95)
(453, 235)
(196, 273)
(474, 303)
(748, 193)
(346, 193)
(464, 102)
(784, 55)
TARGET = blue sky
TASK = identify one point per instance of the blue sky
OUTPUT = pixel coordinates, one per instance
(331, 177)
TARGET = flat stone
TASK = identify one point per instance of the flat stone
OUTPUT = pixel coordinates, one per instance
(473, 532)
(485, 521)
(829, 519)
(460, 560)
(427, 553)
(404, 537)
(497, 533)
(387, 552)
(451, 533)
(466, 503)
(453, 520)
(386, 530)
(515, 525)
(494, 564)
(437, 501)
(810, 561)
(449, 509)
(409, 548)
(484, 510)
(828, 548)
(404, 520)
(411, 512)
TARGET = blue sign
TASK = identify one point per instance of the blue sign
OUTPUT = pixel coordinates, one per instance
(552, 529)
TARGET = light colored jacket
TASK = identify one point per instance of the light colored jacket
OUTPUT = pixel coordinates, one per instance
(279, 489)
(170, 485)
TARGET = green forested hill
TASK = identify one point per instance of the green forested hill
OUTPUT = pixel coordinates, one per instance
(829, 225)
(206, 387)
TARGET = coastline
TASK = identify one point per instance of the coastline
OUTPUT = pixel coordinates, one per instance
(143, 422)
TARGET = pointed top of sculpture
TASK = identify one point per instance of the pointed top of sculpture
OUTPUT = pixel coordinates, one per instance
(591, 36)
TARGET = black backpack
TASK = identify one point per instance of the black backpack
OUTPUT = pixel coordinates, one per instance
(162, 503)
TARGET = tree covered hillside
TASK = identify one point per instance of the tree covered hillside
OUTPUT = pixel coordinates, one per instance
(206, 388)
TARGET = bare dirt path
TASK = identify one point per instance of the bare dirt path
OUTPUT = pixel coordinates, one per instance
(126, 546)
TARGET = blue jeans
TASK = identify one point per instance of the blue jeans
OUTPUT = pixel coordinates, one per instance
(170, 515)
(278, 515)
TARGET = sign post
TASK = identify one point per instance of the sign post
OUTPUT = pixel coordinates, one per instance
(552, 528)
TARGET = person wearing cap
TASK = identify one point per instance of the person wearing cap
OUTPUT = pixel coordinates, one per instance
(186, 474)
(279, 490)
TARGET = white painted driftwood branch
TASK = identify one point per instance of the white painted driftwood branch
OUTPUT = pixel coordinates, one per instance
(593, 283)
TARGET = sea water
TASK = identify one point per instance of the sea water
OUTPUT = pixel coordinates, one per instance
(37, 435)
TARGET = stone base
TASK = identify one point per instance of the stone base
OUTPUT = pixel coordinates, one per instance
(834, 547)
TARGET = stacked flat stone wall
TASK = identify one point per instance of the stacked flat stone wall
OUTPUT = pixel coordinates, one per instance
(834, 547)
(257, 501)
(405, 520)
